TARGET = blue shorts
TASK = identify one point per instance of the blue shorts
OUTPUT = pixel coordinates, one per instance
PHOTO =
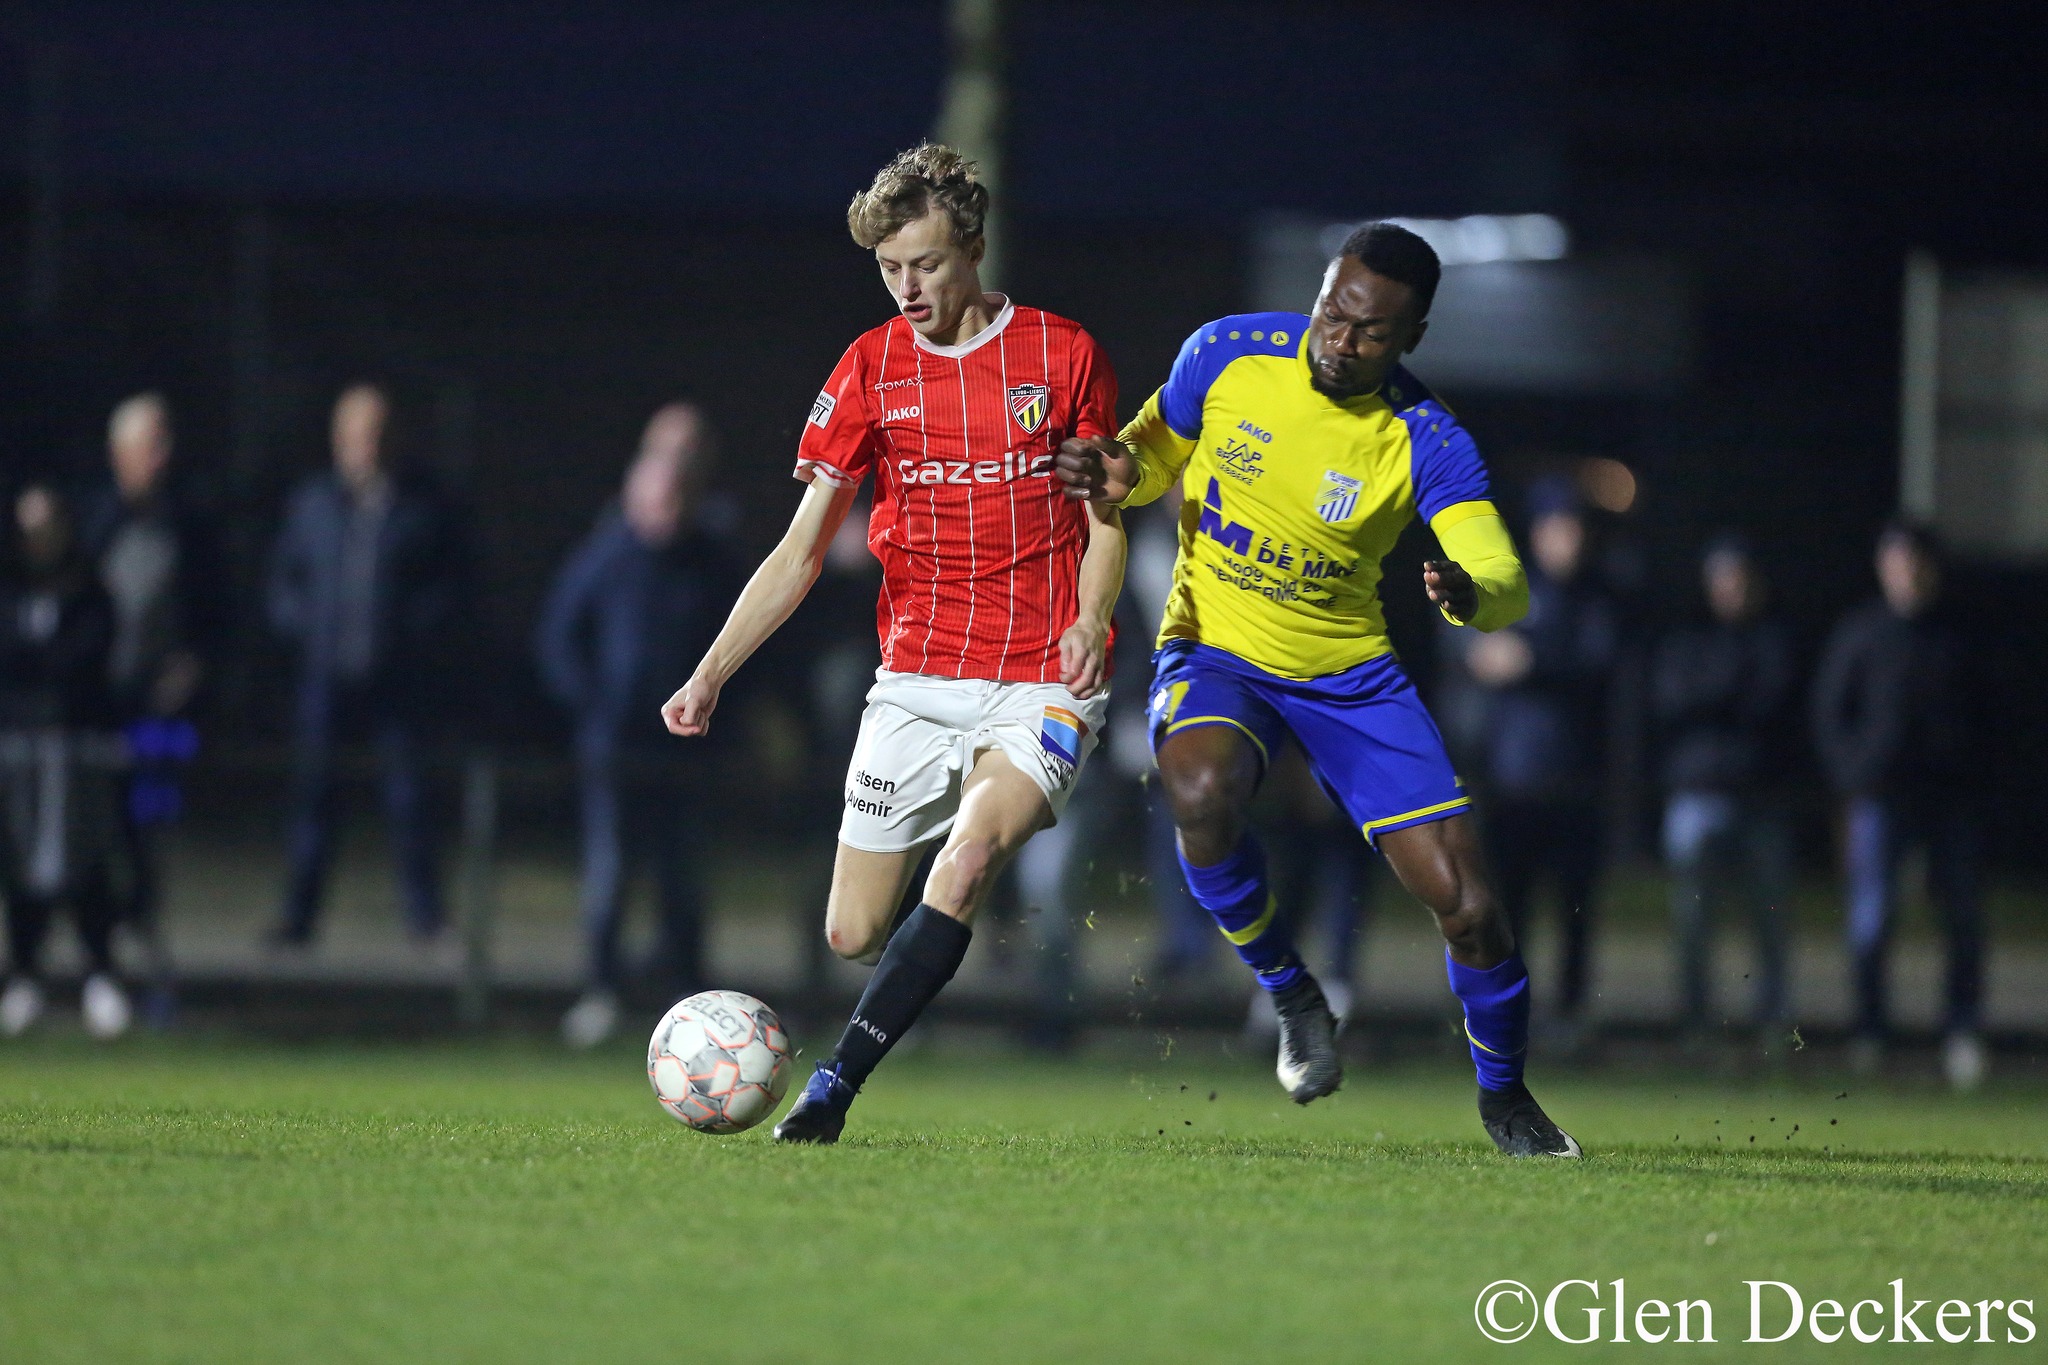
(1367, 735)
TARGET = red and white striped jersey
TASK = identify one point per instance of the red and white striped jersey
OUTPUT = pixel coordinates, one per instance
(980, 551)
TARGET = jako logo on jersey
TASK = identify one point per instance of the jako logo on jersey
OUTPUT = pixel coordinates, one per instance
(1061, 733)
(1230, 535)
(902, 414)
(821, 411)
(1338, 498)
(1028, 404)
(1015, 464)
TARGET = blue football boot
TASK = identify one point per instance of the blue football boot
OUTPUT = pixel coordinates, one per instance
(820, 1112)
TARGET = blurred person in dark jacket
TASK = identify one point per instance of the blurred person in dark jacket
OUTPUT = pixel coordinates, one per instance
(1892, 708)
(1720, 695)
(633, 607)
(1546, 679)
(160, 567)
(1187, 937)
(59, 824)
(368, 579)
(832, 650)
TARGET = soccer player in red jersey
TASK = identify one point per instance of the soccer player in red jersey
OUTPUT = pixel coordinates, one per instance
(995, 606)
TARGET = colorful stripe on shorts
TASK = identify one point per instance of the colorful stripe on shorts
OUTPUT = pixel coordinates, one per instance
(1061, 734)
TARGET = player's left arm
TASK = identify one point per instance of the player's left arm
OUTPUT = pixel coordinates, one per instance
(1084, 646)
(1480, 581)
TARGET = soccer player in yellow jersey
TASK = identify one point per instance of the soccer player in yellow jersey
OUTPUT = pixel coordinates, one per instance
(1304, 448)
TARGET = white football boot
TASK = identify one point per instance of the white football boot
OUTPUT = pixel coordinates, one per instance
(591, 1020)
(21, 1004)
(1964, 1060)
(105, 1006)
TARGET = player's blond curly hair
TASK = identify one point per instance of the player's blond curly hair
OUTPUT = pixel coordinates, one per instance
(927, 176)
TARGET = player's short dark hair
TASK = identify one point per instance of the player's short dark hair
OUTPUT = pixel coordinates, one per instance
(1393, 251)
(929, 175)
(1916, 535)
(1726, 544)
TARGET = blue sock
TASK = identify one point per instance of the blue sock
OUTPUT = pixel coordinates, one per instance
(1496, 1018)
(1235, 894)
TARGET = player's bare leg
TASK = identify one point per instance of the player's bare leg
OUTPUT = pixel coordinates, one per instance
(866, 889)
(1439, 862)
(1000, 808)
(1211, 773)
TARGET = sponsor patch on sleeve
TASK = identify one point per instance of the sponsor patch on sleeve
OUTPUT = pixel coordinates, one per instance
(821, 411)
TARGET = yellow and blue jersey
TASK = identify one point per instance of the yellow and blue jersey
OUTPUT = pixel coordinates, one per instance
(1293, 498)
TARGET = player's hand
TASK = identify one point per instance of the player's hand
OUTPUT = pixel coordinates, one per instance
(1451, 589)
(1084, 658)
(688, 712)
(1096, 469)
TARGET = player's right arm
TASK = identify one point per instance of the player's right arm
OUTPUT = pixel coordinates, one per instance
(833, 457)
(769, 597)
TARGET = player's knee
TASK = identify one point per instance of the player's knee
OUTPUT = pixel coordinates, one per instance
(853, 944)
(1473, 924)
(1205, 810)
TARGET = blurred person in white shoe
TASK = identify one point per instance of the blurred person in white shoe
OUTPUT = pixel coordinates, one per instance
(61, 818)
(159, 561)
(630, 610)
(1898, 716)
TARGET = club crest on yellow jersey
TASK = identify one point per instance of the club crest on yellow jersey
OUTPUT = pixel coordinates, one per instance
(1338, 497)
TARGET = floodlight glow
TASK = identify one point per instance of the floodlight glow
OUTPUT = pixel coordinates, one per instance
(1478, 238)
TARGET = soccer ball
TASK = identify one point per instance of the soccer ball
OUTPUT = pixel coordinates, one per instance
(719, 1062)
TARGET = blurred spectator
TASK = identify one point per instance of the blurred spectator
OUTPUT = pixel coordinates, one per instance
(835, 652)
(367, 579)
(1891, 714)
(1322, 877)
(55, 713)
(1548, 678)
(1187, 936)
(1720, 694)
(630, 612)
(161, 572)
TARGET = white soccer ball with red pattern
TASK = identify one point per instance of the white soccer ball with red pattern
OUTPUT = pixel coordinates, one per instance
(719, 1061)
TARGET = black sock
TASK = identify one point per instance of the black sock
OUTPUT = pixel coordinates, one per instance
(915, 967)
(1498, 1104)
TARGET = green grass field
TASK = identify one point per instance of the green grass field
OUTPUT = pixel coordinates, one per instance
(180, 1200)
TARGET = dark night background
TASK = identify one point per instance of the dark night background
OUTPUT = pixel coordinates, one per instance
(540, 223)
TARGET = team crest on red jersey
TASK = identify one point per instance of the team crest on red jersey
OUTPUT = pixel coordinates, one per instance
(1028, 405)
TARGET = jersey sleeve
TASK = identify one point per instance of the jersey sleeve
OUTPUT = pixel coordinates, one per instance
(1445, 463)
(838, 441)
(1187, 385)
(1477, 540)
(1094, 388)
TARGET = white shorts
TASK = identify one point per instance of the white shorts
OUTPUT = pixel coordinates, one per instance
(919, 738)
